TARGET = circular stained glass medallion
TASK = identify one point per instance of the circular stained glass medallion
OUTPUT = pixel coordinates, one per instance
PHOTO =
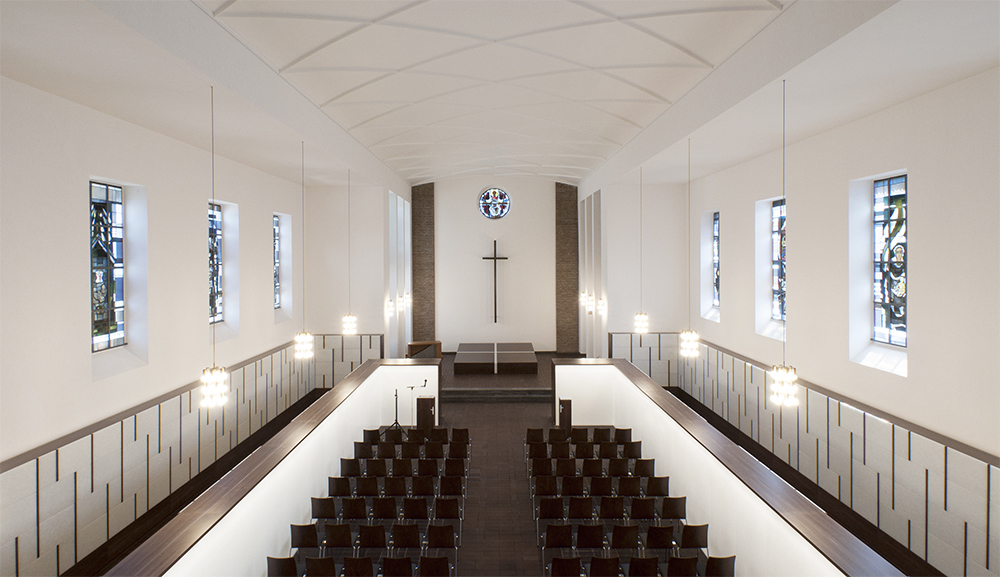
(494, 203)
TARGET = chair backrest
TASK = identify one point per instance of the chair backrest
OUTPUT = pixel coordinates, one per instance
(604, 566)
(612, 507)
(534, 436)
(541, 467)
(371, 536)
(579, 435)
(406, 535)
(422, 486)
(674, 508)
(434, 450)
(623, 436)
(607, 450)
(366, 486)
(658, 486)
(451, 486)
(454, 467)
(386, 450)
(439, 434)
(584, 450)
(551, 508)
(643, 508)
(440, 536)
(358, 567)
(281, 567)
(384, 508)
(592, 468)
(458, 450)
(538, 450)
(396, 567)
(565, 567)
(324, 508)
(644, 468)
(682, 567)
(643, 566)
(371, 436)
(546, 486)
(694, 536)
(321, 567)
(559, 449)
(353, 508)
(411, 450)
(601, 486)
(557, 435)
(618, 467)
(601, 434)
(362, 450)
(375, 468)
(589, 536)
(416, 434)
(337, 535)
(340, 487)
(625, 537)
(447, 508)
(460, 436)
(558, 536)
(427, 468)
(572, 486)
(628, 486)
(415, 508)
(350, 467)
(580, 508)
(402, 468)
(433, 566)
(393, 435)
(721, 566)
(659, 537)
(304, 536)
(565, 467)
(633, 450)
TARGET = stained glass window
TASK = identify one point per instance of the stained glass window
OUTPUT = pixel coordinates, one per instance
(107, 266)
(715, 260)
(778, 260)
(494, 203)
(214, 263)
(277, 263)
(890, 261)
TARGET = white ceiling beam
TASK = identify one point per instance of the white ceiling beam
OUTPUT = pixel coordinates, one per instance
(798, 33)
(187, 31)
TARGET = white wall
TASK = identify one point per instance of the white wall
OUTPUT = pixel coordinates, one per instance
(49, 149)
(947, 142)
(525, 282)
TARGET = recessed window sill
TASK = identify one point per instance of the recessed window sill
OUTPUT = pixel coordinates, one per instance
(712, 314)
(773, 329)
(883, 357)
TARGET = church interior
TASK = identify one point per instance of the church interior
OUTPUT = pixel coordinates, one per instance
(564, 218)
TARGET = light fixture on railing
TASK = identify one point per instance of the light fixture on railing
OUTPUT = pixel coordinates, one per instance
(602, 306)
(350, 321)
(214, 387)
(641, 318)
(689, 338)
(784, 391)
(303, 340)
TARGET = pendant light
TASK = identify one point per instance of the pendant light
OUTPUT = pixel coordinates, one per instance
(350, 321)
(641, 318)
(783, 388)
(213, 378)
(303, 340)
(689, 337)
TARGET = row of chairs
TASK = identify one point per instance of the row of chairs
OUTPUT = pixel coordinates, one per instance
(577, 486)
(410, 450)
(404, 467)
(360, 566)
(623, 540)
(579, 435)
(423, 486)
(356, 511)
(585, 450)
(611, 566)
(592, 510)
(569, 466)
(417, 434)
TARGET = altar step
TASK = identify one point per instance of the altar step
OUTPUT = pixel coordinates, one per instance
(496, 395)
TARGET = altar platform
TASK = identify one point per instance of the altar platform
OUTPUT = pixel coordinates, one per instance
(495, 358)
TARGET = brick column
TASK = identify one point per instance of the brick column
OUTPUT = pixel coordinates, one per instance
(424, 293)
(567, 270)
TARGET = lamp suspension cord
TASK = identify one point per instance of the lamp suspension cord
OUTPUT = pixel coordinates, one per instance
(303, 234)
(349, 241)
(688, 227)
(784, 336)
(640, 239)
(212, 88)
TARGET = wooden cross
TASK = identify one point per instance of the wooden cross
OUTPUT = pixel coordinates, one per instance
(494, 258)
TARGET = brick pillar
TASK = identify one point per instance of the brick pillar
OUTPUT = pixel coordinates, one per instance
(424, 293)
(567, 270)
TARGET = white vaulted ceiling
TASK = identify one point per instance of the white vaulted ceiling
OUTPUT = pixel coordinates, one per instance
(441, 88)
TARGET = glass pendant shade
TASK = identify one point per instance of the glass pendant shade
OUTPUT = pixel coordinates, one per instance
(350, 325)
(689, 343)
(602, 306)
(641, 323)
(303, 345)
(784, 391)
(214, 388)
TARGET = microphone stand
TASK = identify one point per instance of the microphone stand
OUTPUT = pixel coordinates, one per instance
(395, 423)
